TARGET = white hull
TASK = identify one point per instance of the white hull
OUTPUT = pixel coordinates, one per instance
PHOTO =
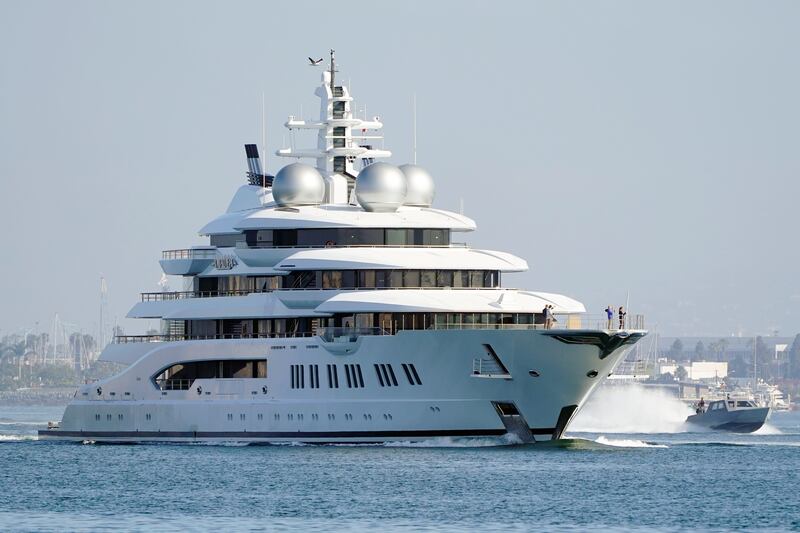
(451, 401)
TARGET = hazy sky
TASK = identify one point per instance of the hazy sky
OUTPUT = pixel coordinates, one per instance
(648, 148)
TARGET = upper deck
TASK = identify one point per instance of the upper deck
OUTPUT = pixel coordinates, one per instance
(263, 213)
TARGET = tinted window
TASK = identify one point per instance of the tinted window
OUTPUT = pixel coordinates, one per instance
(396, 278)
(475, 278)
(358, 236)
(285, 237)
(444, 278)
(366, 278)
(411, 278)
(396, 237)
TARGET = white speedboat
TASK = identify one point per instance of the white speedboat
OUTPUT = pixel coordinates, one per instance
(332, 304)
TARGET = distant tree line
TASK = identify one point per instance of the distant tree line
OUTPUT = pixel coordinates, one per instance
(741, 364)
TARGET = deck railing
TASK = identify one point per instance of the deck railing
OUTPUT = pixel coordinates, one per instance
(349, 334)
(182, 295)
(244, 245)
(127, 339)
(174, 384)
(190, 253)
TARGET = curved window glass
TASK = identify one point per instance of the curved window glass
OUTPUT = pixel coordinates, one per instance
(347, 237)
(345, 279)
(180, 376)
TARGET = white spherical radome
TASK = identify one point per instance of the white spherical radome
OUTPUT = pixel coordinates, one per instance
(381, 188)
(420, 187)
(298, 184)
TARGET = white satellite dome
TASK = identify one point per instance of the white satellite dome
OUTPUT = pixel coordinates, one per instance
(381, 187)
(420, 188)
(298, 184)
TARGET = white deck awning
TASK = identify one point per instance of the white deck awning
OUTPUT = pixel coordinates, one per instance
(443, 258)
(443, 300)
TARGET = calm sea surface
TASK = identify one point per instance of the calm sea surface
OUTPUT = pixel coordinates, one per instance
(596, 480)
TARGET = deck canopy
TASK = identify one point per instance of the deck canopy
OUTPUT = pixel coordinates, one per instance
(443, 258)
(256, 305)
(473, 301)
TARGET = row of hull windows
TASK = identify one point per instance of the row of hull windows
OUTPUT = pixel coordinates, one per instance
(259, 416)
(387, 322)
(350, 279)
(181, 375)
(353, 376)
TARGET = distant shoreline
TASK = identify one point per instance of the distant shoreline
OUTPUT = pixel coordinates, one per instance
(48, 396)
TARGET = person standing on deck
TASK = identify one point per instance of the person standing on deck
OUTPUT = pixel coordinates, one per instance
(548, 317)
(622, 314)
(610, 316)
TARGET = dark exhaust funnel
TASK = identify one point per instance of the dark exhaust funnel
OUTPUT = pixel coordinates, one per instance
(254, 173)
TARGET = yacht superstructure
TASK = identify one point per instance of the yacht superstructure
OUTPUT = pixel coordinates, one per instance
(332, 305)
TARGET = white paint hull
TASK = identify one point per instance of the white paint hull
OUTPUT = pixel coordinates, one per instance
(451, 400)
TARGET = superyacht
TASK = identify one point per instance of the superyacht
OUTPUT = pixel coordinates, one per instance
(332, 304)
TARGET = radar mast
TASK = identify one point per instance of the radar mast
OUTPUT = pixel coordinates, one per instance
(342, 138)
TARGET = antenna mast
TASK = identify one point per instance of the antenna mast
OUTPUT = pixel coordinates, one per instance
(415, 128)
(264, 129)
(333, 68)
(755, 367)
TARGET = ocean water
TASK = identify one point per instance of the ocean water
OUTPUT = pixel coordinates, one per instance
(656, 475)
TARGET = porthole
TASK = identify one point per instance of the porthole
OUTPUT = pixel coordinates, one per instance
(534, 373)
(591, 374)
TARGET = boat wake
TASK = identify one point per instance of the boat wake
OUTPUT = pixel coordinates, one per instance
(465, 442)
(631, 409)
(16, 437)
(768, 429)
(627, 443)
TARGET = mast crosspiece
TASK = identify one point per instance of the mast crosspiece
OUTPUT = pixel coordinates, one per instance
(340, 132)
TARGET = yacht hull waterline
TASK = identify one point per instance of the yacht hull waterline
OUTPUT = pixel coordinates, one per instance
(331, 306)
(450, 401)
